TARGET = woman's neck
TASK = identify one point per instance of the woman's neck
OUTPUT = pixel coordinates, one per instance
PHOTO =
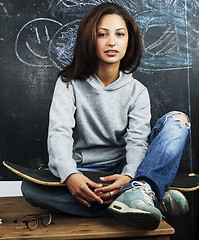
(108, 74)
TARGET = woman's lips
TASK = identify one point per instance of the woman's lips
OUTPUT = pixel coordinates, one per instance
(111, 53)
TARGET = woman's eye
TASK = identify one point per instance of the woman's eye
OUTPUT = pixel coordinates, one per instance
(101, 34)
(120, 34)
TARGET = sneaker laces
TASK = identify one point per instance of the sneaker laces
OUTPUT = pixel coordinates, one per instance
(147, 193)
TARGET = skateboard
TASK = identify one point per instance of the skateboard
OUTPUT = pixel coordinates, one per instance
(183, 182)
(45, 177)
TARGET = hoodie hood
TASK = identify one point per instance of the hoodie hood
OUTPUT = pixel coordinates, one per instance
(123, 80)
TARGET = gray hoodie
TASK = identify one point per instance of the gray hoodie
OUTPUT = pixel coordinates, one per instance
(90, 123)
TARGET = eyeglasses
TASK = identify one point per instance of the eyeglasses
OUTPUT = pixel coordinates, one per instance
(32, 221)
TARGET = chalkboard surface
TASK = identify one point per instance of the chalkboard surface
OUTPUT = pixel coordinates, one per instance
(37, 38)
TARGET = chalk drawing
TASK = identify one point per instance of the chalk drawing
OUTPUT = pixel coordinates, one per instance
(75, 3)
(165, 28)
(160, 40)
(32, 42)
(162, 48)
(62, 43)
(3, 9)
(170, 1)
(129, 5)
(169, 34)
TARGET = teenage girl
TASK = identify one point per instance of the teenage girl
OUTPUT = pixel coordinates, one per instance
(100, 121)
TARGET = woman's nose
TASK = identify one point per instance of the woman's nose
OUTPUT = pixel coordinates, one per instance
(111, 42)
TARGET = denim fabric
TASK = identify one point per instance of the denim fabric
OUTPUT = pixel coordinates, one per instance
(159, 167)
(59, 199)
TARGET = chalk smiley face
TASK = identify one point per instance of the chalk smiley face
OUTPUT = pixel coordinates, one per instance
(32, 42)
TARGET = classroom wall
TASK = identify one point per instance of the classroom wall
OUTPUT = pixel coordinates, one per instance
(36, 41)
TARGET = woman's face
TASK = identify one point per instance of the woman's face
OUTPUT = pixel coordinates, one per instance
(112, 39)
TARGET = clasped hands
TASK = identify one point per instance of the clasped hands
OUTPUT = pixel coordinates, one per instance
(87, 191)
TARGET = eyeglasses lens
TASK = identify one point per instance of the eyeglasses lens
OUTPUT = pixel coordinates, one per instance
(32, 223)
(46, 219)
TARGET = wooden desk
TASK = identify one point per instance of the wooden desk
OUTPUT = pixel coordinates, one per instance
(70, 227)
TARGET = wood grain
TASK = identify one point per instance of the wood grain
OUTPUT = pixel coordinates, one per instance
(70, 227)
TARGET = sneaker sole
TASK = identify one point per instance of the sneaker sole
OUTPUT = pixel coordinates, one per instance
(134, 217)
(171, 206)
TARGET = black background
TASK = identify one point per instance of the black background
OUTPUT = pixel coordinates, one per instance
(36, 41)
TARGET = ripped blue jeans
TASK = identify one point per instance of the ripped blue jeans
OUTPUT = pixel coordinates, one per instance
(166, 144)
(158, 168)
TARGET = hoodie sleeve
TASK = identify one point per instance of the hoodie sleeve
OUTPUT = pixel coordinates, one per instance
(137, 132)
(61, 124)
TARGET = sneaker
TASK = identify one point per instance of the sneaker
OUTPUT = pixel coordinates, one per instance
(136, 207)
(174, 203)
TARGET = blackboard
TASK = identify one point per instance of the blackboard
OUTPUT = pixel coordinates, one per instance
(37, 38)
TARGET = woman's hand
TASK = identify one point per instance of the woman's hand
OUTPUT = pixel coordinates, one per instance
(78, 185)
(114, 188)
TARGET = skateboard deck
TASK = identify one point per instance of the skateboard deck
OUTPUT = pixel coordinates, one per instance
(186, 182)
(45, 177)
(183, 182)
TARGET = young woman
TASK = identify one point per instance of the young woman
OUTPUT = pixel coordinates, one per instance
(100, 121)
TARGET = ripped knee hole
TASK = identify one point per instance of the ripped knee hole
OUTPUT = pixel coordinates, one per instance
(183, 119)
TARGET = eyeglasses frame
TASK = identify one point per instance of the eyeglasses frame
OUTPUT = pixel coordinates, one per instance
(37, 217)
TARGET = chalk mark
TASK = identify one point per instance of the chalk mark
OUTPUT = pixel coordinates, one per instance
(40, 44)
(47, 35)
(37, 34)
(170, 1)
(33, 52)
(163, 34)
(62, 44)
(162, 48)
(166, 39)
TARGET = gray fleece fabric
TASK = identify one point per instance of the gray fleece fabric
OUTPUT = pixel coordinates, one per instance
(90, 123)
